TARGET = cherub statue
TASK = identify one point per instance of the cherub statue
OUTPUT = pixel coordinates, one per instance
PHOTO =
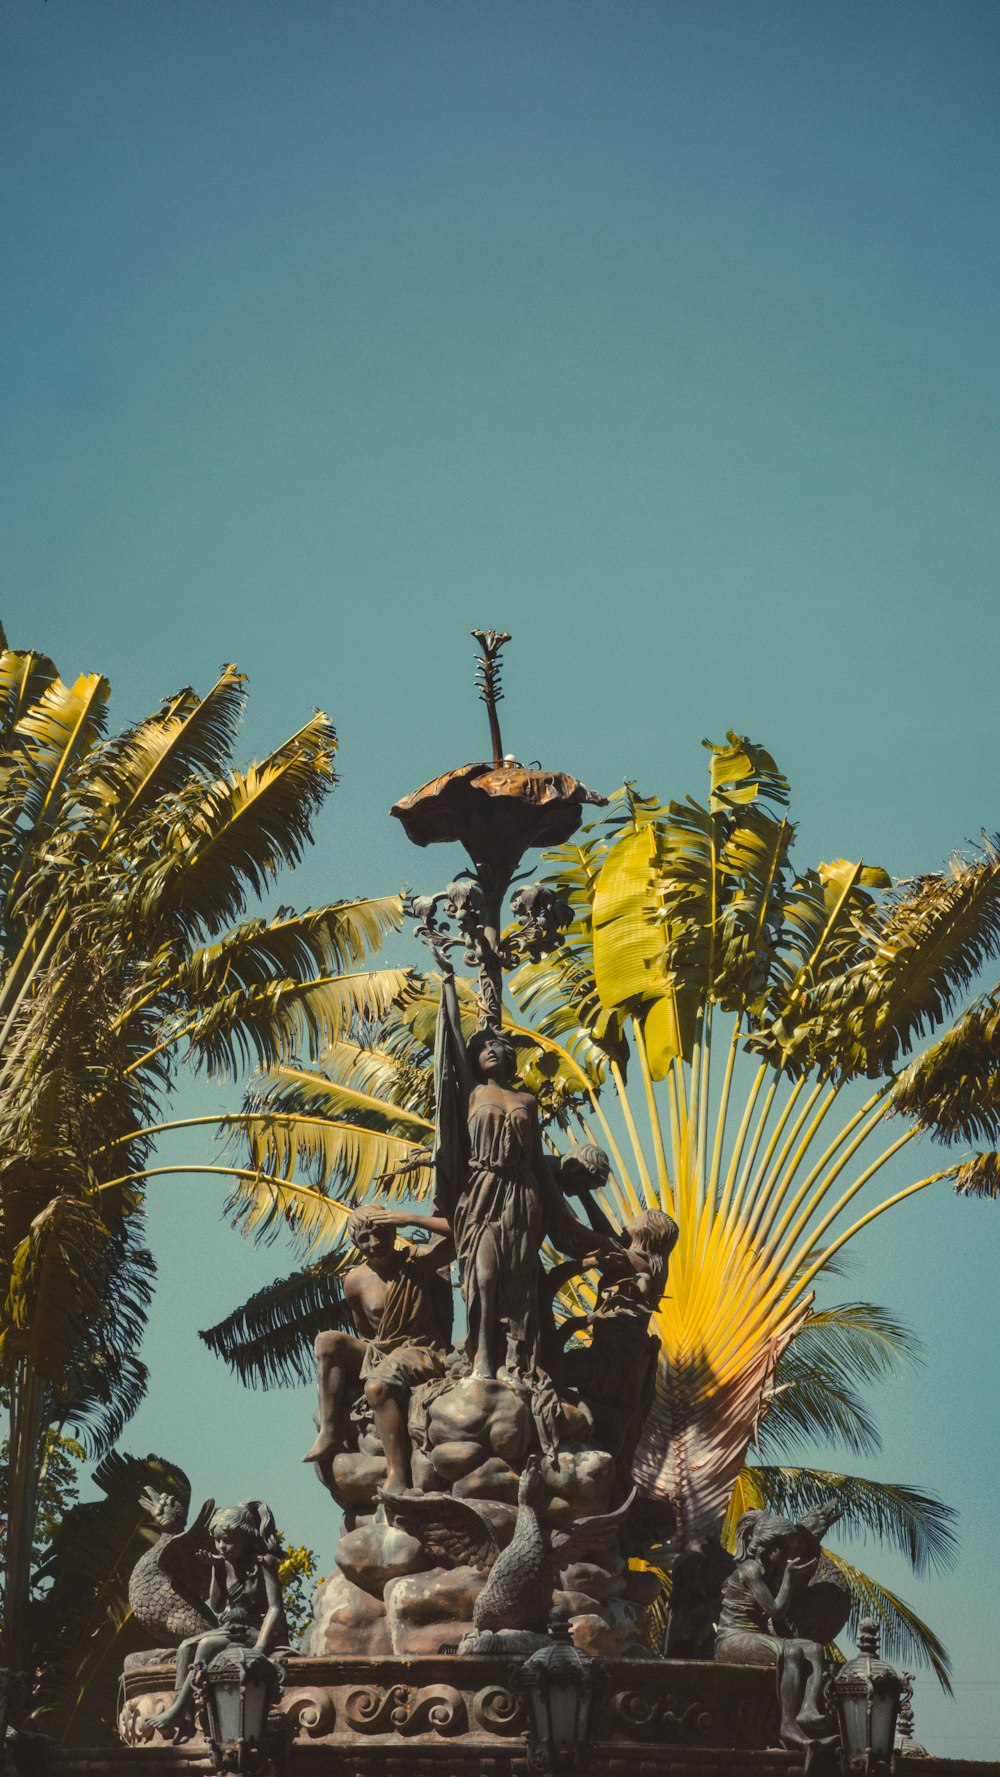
(401, 1307)
(616, 1373)
(244, 1583)
(775, 1562)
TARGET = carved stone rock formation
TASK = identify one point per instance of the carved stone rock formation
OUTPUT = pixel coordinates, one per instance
(346, 1621)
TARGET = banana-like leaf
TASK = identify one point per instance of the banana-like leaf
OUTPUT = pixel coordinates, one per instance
(628, 943)
(24, 677)
(269, 1340)
(740, 772)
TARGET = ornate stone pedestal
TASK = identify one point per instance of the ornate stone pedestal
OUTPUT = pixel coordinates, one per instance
(462, 1716)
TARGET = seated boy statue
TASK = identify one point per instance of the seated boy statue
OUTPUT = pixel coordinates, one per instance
(401, 1307)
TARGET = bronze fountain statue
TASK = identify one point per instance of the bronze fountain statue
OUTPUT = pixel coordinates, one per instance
(488, 1482)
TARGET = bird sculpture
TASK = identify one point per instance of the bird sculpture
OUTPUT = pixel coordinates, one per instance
(169, 1583)
(518, 1590)
(520, 1578)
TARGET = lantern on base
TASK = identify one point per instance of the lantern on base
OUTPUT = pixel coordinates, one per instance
(557, 1683)
(236, 1692)
(867, 1692)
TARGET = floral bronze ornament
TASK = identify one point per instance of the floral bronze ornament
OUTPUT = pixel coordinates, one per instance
(498, 810)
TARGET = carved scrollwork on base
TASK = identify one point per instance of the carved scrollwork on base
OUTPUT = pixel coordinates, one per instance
(649, 1717)
(497, 1710)
(398, 1709)
(311, 1712)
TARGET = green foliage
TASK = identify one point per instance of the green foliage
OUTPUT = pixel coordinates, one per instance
(81, 1626)
(269, 1340)
(127, 869)
(58, 1490)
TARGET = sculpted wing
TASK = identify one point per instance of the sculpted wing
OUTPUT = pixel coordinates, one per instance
(586, 1532)
(184, 1559)
(453, 1533)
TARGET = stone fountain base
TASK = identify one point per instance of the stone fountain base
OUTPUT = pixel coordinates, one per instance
(447, 1715)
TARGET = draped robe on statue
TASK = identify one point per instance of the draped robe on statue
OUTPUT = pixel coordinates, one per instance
(492, 1182)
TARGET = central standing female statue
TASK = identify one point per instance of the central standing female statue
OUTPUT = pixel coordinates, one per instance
(498, 1194)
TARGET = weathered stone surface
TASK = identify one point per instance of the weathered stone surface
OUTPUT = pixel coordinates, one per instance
(596, 1582)
(378, 1552)
(356, 1476)
(500, 1518)
(579, 1484)
(603, 1638)
(429, 1611)
(494, 1479)
(489, 1414)
(384, 1717)
(346, 1621)
(455, 1457)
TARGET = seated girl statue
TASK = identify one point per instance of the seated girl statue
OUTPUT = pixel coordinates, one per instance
(775, 1561)
(245, 1583)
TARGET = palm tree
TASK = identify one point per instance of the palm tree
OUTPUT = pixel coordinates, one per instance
(126, 869)
(708, 1020)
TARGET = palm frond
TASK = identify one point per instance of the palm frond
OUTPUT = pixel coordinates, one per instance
(188, 737)
(905, 1639)
(266, 1025)
(390, 1064)
(953, 1088)
(815, 1388)
(918, 1525)
(934, 937)
(268, 1341)
(288, 1092)
(228, 839)
(291, 946)
(979, 1177)
(351, 1157)
(262, 1207)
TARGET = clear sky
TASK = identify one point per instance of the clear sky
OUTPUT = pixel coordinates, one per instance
(661, 334)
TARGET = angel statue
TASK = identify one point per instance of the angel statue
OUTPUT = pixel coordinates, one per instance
(616, 1373)
(496, 1190)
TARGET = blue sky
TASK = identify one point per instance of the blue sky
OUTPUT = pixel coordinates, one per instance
(662, 335)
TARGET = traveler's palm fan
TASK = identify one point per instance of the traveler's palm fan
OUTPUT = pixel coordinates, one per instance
(709, 1020)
